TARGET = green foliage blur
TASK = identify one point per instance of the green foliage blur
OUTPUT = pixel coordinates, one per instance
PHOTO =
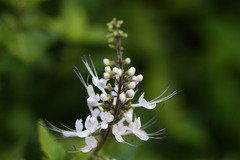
(192, 45)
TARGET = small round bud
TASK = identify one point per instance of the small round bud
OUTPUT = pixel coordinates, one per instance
(127, 60)
(110, 40)
(104, 97)
(106, 75)
(122, 97)
(132, 85)
(119, 72)
(111, 46)
(106, 61)
(131, 71)
(120, 32)
(125, 35)
(139, 78)
(130, 93)
(115, 69)
(107, 69)
(120, 22)
(115, 33)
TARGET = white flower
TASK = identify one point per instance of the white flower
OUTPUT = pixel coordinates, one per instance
(93, 98)
(106, 118)
(94, 75)
(135, 128)
(129, 115)
(96, 112)
(119, 130)
(91, 143)
(152, 104)
(73, 133)
(91, 124)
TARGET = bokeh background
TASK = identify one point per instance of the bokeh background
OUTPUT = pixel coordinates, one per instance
(192, 45)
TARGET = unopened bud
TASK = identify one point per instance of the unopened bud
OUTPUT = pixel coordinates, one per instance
(109, 86)
(130, 93)
(131, 71)
(106, 75)
(125, 35)
(132, 85)
(115, 69)
(119, 72)
(122, 97)
(139, 78)
(107, 69)
(106, 61)
(127, 60)
(115, 33)
(104, 97)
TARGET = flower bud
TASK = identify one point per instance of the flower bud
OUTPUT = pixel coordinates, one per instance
(131, 71)
(107, 69)
(139, 78)
(127, 60)
(104, 97)
(130, 93)
(132, 85)
(119, 72)
(106, 75)
(115, 69)
(122, 97)
(106, 61)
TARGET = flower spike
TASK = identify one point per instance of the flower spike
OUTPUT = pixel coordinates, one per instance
(112, 104)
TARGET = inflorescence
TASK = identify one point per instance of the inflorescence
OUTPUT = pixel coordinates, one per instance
(112, 110)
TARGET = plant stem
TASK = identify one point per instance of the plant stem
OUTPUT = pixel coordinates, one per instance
(116, 108)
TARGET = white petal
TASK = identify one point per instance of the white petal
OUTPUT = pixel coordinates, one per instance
(129, 115)
(91, 124)
(91, 141)
(104, 125)
(90, 91)
(150, 106)
(78, 125)
(69, 133)
(142, 100)
(137, 124)
(86, 149)
(96, 112)
(119, 138)
(83, 134)
(142, 135)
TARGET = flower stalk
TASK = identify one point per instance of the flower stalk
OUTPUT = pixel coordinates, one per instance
(112, 111)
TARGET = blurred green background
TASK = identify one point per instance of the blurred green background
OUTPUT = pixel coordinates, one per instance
(194, 45)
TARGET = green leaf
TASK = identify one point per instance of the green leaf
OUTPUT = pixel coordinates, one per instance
(52, 149)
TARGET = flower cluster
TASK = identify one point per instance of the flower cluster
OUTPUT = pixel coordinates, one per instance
(112, 108)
